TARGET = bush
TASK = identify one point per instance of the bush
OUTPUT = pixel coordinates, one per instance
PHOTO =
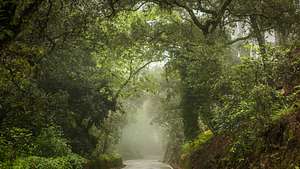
(50, 143)
(15, 142)
(107, 161)
(72, 161)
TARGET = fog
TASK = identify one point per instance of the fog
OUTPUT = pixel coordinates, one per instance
(141, 138)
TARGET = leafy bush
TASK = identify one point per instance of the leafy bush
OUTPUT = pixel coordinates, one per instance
(107, 161)
(15, 142)
(20, 150)
(50, 143)
(72, 161)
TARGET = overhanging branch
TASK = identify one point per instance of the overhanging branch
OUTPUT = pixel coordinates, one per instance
(239, 39)
(132, 75)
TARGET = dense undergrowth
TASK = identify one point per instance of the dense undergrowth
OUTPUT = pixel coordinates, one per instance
(277, 146)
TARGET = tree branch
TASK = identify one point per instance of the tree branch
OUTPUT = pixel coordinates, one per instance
(239, 39)
(193, 17)
(211, 24)
(201, 8)
(131, 75)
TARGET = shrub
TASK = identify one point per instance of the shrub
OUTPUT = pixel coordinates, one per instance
(50, 143)
(72, 161)
(107, 161)
(15, 142)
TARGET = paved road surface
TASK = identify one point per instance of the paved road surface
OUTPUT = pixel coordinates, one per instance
(145, 164)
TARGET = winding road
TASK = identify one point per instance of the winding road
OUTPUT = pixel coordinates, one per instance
(146, 164)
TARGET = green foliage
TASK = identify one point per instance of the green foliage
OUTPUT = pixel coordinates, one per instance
(15, 142)
(252, 95)
(51, 143)
(106, 161)
(34, 162)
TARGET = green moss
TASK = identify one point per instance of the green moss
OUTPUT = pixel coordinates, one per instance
(190, 147)
(196, 144)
